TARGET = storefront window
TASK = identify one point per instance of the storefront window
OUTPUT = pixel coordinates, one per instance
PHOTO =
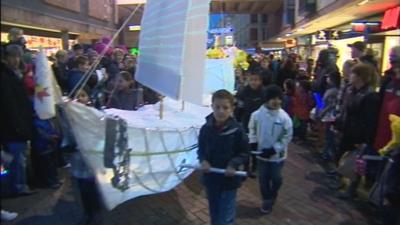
(48, 44)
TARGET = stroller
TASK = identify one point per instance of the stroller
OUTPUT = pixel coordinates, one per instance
(385, 193)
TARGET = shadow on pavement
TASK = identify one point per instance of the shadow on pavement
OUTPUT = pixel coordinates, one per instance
(160, 209)
(63, 213)
(249, 210)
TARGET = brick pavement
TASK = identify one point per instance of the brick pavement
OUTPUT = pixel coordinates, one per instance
(304, 200)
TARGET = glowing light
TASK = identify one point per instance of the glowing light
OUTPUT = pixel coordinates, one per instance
(130, 2)
(134, 28)
(363, 2)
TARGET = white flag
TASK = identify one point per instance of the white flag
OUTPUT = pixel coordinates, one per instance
(44, 102)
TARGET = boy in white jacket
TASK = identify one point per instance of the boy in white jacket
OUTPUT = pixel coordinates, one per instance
(270, 131)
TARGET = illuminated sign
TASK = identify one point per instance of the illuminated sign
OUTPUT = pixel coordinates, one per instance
(290, 43)
(229, 40)
(328, 35)
(391, 19)
(134, 51)
(134, 28)
(224, 30)
(366, 26)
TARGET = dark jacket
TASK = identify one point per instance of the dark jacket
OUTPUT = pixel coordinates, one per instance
(126, 100)
(16, 112)
(385, 80)
(112, 68)
(268, 77)
(249, 100)
(321, 73)
(392, 191)
(44, 139)
(222, 147)
(283, 74)
(74, 76)
(390, 104)
(60, 72)
(359, 117)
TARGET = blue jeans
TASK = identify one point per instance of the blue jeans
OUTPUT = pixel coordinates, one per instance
(270, 179)
(17, 166)
(330, 146)
(222, 205)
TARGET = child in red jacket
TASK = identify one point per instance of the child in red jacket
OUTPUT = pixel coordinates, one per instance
(302, 105)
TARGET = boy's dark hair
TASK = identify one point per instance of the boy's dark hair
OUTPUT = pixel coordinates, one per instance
(335, 78)
(273, 91)
(306, 85)
(80, 60)
(256, 73)
(77, 47)
(366, 72)
(127, 77)
(223, 94)
(290, 85)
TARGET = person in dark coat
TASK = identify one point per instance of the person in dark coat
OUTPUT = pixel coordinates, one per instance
(222, 144)
(391, 204)
(394, 58)
(326, 64)
(125, 96)
(287, 71)
(267, 74)
(359, 117)
(77, 51)
(60, 70)
(76, 75)
(249, 100)
(16, 118)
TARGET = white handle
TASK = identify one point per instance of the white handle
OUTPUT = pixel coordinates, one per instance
(215, 170)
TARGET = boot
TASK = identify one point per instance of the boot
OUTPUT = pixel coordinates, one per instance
(350, 193)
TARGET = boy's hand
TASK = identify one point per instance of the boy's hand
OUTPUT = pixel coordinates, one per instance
(268, 152)
(205, 166)
(230, 171)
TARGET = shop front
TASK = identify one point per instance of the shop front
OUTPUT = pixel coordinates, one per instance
(50, 45)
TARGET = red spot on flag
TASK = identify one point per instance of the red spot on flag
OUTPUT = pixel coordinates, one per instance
(41, 92)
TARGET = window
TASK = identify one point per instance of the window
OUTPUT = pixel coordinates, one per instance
(253, 34)
(253, 18)
(264, 18)
(264, 34)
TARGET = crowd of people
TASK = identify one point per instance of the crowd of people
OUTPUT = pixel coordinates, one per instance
(106, 82)
(276, 100)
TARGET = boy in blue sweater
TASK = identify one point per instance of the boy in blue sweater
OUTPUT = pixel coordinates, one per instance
(222, 144)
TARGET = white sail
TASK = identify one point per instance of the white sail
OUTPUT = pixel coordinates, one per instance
(173, 44)
(134, 153)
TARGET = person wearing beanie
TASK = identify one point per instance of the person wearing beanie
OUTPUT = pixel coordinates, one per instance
(270, 132)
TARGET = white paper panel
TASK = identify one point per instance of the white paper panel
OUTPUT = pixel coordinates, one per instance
(172, 45)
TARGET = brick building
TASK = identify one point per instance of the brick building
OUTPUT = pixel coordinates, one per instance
(57, 24)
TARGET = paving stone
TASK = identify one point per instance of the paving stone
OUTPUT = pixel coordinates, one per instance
(303, 200)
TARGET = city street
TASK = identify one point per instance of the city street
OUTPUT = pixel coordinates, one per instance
(304, 199)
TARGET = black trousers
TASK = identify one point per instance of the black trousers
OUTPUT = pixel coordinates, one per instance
(89, 195)
(45, 168)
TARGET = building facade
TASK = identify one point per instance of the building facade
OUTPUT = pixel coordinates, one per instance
(56, 24)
